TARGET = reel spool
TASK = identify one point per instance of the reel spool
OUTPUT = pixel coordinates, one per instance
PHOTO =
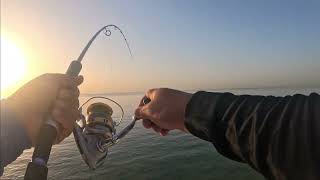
(95, 131)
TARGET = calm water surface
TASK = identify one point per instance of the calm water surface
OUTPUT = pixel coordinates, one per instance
(143, 154)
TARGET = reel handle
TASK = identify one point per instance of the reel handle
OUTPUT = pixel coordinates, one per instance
(37, 168)
(146, 100)
(125, 131)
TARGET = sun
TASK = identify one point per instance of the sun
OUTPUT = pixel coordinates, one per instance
(13, 67)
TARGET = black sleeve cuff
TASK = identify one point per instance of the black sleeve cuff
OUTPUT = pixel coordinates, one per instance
(200, 114)
(204, 119)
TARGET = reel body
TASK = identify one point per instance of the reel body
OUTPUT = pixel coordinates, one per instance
(95, 132)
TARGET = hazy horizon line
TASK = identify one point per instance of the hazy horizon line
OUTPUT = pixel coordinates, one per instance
(193, 90)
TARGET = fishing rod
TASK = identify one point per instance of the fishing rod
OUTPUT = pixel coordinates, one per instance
(37, 169)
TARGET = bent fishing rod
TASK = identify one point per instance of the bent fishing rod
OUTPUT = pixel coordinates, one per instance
(37, 169)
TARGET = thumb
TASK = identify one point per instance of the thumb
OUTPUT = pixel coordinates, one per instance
(78, 80)
(138, 113)
(143, 112)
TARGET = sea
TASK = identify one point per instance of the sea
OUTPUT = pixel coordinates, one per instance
(144, 155)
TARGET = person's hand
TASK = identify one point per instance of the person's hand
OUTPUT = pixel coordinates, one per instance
(53, 94)
(165, 111)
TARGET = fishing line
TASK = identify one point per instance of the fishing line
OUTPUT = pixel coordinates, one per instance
(107, 32)
(97, 131)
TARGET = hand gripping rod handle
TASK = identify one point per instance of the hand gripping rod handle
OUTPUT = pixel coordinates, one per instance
(37, 169)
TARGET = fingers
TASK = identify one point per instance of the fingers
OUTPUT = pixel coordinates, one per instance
(164, 132)
(65, 112)
(66, 123)
(137, 113)
(150, 93)
(70, 82)
(65, 117)
(142, 112)
(149, 124)
(62, 79)
(147, 111)
(68, 94)
(159, 130)
(150, 113)
(63, 133)
(66, 106)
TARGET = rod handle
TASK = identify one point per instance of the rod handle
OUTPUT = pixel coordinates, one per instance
(46, 138)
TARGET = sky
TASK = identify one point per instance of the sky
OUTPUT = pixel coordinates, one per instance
(188, 45)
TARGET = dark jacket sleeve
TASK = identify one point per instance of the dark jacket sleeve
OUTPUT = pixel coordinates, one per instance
(277, 136)
(13, 139)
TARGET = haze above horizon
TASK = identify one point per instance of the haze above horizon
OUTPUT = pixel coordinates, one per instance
(177, 44)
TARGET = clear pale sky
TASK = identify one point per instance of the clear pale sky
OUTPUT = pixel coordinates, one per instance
(178, 44)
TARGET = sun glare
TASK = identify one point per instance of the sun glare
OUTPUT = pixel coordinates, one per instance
(13, 66)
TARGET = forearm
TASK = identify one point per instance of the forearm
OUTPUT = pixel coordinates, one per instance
(13, 138)
(277, 136)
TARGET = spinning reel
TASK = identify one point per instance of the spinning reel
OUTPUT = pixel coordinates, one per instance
(96, 131)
